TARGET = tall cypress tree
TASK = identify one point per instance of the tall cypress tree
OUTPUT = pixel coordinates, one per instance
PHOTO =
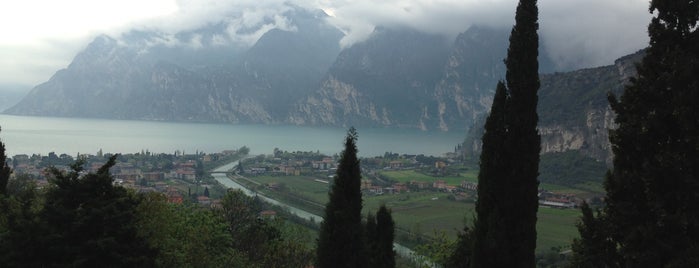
(491, 178)
(523, 142)
(381, 240)
(4, 170)
(340, 241)
(505, 227)
(652, 206)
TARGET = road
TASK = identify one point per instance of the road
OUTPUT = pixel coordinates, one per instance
(221, 177)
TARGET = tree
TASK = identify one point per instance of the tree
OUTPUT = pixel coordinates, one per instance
(380, 233)
(186, 235)
(505, 227)
(652, 206)
(491, 179)
(340, 242)
(90, 222)
(4, 170)
(593, 248)
(463, 250)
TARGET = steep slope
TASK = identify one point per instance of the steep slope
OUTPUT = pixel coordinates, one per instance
(191, 76)
(384, 81)
(574, 114)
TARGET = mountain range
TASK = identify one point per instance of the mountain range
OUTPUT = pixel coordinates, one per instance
(398, 77)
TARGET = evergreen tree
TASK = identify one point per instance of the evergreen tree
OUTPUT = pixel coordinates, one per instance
(491, 179)
(4, 170)
(652, 206)
(381, 239)
(90, 222)
(505, 227)
(340, 242)
(593, 248)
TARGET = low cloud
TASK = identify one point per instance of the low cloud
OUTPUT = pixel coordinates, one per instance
(576, 33)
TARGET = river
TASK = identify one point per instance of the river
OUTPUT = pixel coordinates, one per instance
(227, 182)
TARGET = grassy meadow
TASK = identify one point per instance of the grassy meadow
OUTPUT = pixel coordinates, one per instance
(423, 212)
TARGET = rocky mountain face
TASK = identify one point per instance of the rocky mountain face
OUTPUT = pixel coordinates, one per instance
(387, 80)
(574, 114)
(298, 74)
(191, 76)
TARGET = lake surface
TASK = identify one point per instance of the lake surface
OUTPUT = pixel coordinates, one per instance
(29, 135)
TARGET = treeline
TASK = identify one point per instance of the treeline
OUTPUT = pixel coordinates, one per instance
(83, 220)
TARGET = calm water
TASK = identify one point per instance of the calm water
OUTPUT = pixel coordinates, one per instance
(28, 135)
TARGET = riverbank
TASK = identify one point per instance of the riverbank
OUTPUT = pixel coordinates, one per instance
(220, 175)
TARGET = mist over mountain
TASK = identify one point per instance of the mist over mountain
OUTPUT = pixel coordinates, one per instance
(297, 73)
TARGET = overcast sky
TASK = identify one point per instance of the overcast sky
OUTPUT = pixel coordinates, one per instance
(38, 37)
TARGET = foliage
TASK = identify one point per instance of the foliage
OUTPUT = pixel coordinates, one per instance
(185, 235)
(87, 221)
(652, 209)
(439, 250)
(338, 242)
(507, 195)
(594, 248)
(380, 233)
(570, 169)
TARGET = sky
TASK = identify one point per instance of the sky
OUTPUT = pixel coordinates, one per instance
(39, 37)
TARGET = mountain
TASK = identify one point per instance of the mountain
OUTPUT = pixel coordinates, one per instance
(384, 81)
(191, 76)
(574, 114)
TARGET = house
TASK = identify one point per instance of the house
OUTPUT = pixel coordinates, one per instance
(186, 174)
(400, 187)
(439, 184)
(366, 184)
(269, 214)
(395, 164)
(467, 185)
(557, 202)
(173, 196)
(376, 190)
(203, 200)
(440, 165)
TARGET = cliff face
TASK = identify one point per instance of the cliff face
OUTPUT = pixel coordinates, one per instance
(155, 76)
(403, 78)
(384, 81)
(574, 114)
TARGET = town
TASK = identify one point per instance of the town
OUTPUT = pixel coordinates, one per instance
(181, 177)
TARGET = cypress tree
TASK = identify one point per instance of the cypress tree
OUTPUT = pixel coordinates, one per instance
(652, 206)
(382, 254)
(491, 178)
(505, 227)
(523, 141)
(340, 241)
(4, 170)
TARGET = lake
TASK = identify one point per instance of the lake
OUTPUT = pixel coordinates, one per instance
(29, 135)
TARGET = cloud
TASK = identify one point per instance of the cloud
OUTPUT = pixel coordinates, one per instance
(38, 41)
(590, 33)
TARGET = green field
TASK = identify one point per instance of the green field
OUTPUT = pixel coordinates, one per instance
(420, 212)
(412, 175)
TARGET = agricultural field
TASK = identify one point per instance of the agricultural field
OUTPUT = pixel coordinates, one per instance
(419, 212)
(407, 176)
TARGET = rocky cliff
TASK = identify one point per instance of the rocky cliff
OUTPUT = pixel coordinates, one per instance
(574, 114)
(191, 76)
